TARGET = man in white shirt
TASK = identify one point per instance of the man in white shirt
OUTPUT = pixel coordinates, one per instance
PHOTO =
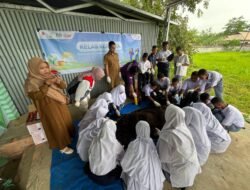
(230, 118)
(181, 63)
(162, 58)
(212, 79)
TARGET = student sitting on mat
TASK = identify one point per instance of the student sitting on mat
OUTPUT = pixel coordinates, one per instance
(149, 91)
(113, 113)
(174, 91)
(141, 164)
(119, 96)
(105, 152)
(211, 79)
(220, 139)
(86, 136)
(129, 74)
(145, 71)
(196, 123)
(229, 116)
(177, 150)
(98, 110)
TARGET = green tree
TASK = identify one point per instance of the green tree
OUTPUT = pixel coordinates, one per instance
(235, 25)
(179, 35)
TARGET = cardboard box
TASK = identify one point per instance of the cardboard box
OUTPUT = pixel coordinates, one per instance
(35, 128)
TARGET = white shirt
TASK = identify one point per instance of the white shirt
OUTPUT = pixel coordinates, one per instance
(213, 78)
(180, 69)
(232, 116)
(144, 66)
(163, 55)
(147, 89)
(164, 84)
(188, 84)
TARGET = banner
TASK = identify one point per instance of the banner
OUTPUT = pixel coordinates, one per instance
(72, 52)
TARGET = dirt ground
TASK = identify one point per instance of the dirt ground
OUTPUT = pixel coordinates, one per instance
(227, 171)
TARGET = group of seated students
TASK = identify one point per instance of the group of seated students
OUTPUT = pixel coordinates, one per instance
(190, 133)
(195, 126)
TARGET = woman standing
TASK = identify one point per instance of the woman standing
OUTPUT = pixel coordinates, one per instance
(45, 90)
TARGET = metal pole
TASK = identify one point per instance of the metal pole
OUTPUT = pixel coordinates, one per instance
(167, 24)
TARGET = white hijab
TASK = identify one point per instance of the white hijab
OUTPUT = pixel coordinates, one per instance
(106, 96)
(213, 125)
(86, 136)
(104, 150)
(177, 150)
(196, 123)
(98, 110)
(220, 139)
(119, 95)
(141, 165)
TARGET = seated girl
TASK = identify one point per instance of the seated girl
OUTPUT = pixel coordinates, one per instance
(105, 152)
(113, 112)
(86, 136)
(196, 123)
(220, 139)
(177, 150)
(98, 110)
(141, 164)
(119, 96)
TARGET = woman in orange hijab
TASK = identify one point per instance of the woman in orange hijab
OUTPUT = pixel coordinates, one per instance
(45, 89)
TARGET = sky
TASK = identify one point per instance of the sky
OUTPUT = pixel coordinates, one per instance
(218, 14)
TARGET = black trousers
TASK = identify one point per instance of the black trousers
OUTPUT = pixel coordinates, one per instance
(163, 68)
(105, 179)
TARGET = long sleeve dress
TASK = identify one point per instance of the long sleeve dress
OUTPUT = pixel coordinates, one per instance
(55, 117)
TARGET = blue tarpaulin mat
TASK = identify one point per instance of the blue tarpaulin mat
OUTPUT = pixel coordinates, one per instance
(67, 171)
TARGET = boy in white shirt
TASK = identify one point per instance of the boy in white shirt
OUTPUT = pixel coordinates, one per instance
(230, 118)
(181, 63)
(163, 82)
(212, 79)
(174, 91)
(150, 94)
(163, 59)
(191, 84)
(145, 71)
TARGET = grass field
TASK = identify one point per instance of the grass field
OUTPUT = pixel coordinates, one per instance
(235, 68)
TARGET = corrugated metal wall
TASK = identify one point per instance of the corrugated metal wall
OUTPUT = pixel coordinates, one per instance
(19, 41)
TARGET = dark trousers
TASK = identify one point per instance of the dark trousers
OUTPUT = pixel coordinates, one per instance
(105, 179)
(163, 68)
(144, 79)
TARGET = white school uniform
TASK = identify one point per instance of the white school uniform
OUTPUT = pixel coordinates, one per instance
(105, 150)
(220, 139)
(98, 110)
(147, 90)
(144, 66)
(86, 136)
(232, 117)
(163, 55)
(119, 95)
(213, 79)
(180, 69)
(196, 123)
(188, 84)
(141, 164)
(177, 150)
